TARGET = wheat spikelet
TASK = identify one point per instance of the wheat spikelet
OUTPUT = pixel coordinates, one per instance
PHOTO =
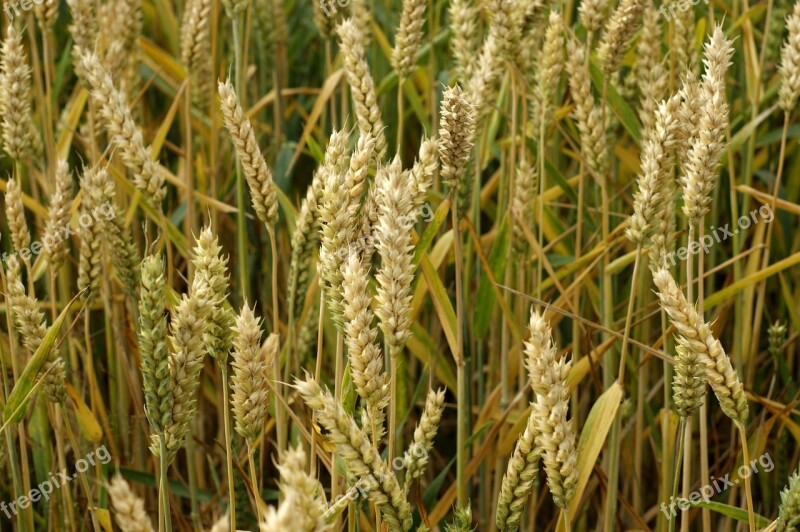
(31, 325)
(234, 7)
(619, 29)
(15, 214)
(416, 458)
(360, 457)
(456, 134)
(696, 338)
(15, 98)
(594, 143)
(683, 47)
(551, 63)
(408, 37)
(196, 48)
(464, 16)
(58, 216)
(396, 274)
(362, 86)
(688, 386)
(655, 170)
(46, 14)
(789, 511)
(339, 213)
(700, 169)
(486, 76)
(129, 512)
(777, 337)
(592, 14)
(251, 366)
(423, 172)
(153, 351)
(305, 493)
(518, 479)
(125, 134)
(526, 186)
(555, 436)
(211, 272)
(650, 72)
(256, 171)
(83, 28)
(97, 190)
(305, 240)
(790, 63)
(364, 353)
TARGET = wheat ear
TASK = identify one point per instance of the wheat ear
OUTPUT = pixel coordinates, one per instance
(97, 190)
(789, 511)
(129, 512)
(251, 367)
(153, 350)
(364, 353)
(618, 31)
(556, 436)
(58, 216)
(456, 134)
(518, 480)
(360, 457)
(211, 270)
(117, 119)
(305, 492)
(32, 327)
(408, 37)
(15, 97)
(790, 63)
(696, 338)
(256, 171)
(362, 86)
(196, 48)
(416, 457)
(15, 214)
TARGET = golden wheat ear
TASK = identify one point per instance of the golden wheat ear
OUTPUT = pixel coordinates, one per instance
(128, 508)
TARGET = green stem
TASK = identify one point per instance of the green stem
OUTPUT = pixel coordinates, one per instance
(462, 421)
(228, 447)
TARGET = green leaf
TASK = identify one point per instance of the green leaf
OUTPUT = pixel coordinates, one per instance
(617, 104)
(486, 293)
(24, 387)
(740, 514)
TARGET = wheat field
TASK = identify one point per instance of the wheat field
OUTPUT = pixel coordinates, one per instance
(390, 265)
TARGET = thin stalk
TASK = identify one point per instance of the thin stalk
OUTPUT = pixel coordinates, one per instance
(400, 114)
(228, 447)
(318, 374)
(687, 470)
(540, 222)
(280, 413)
(678, 457)
(703, 421)
(631, 302)
(164, 517)
(747, 490)
(254, 479)
(461, 377)
(241, 220)
(89, 499)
